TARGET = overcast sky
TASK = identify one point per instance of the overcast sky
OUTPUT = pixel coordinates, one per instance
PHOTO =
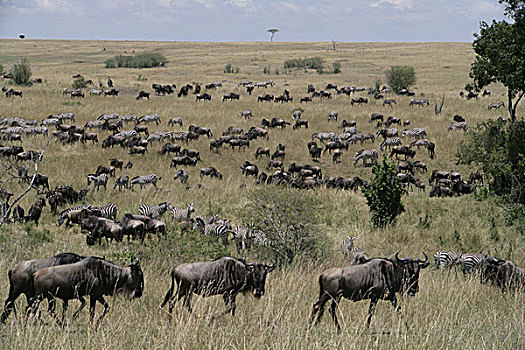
(247, 20)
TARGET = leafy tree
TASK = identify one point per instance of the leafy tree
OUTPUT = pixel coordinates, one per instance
(1, 69)
(497, 147)
(21, 72)
(288, 219)
(500, 55)
(383, 194)
(79, 83)
(400, 77)
(336, 67)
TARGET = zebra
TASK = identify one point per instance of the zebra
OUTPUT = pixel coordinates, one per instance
(100, 180)
(350, 252)
(366, 154)
(126, 118)
(496, 105)
(417, 133)
(419, 102)
(457, 126)
(108, 211)
(390, 142)
(242, 237)
(150, 118)
(156, 211)
(323, 136)
(221, 229)
(67, 116)
(144, 180)
(127, 134)
(182, 175)
(297, 114)
(246, 114)
(445, 259)
(181, 214)
(108, 116)
(470, 262)
(333, 115)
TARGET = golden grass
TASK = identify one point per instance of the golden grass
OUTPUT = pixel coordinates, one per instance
(449, 311)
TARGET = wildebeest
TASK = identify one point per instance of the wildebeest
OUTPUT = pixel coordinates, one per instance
(419, 102)
(225, 276)
(359, 101)
(204, 96)
(404, 150)
(211, 172)
(504, 274)
(378, 278)
(92, 276)
(21, 278)
(143, 94)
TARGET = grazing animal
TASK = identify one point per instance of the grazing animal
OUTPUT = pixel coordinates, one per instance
(154, 212)
(143, 94)
(404, 150)
(457, 126)
(333, 115)
(224, 276)
(183, 214)
(182, 175)
(418, 102)
(144, 180)
(496, 105)
(365, 155)
(504, 274)
(389, 102)
(122, 181)
(470, 263)
(98, 180)
(175, 120)
(417, 133)
(150, 118)
(95, 277)
(445, 259)
(211, 172)
(350, 252)
(378, 278)
(204, 96)
(21, 278)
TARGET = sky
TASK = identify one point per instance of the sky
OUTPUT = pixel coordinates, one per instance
(248, 20)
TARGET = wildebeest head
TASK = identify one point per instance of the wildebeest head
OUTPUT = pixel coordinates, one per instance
(258, 277)
(411, 268)
(489, 269)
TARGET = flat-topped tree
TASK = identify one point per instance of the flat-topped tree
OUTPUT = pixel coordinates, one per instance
(273, 31)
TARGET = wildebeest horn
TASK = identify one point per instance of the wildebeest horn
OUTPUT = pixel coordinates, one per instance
(270, 268)
(423, 261)
(397, 257)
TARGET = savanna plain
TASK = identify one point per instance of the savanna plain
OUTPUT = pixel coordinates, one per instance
(449, 312)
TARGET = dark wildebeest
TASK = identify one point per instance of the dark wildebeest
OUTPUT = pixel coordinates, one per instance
(143, 94)
(225, 276)
(21, 278)
(504, 274)
(378, 278)
(92, 276)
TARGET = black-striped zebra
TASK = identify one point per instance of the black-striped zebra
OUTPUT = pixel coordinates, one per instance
(156, 211)
(108, 116)
(127, 134)
(144, 180)
(67, 116)
(445, 259)
(149, 118)
(221, 229)
(496, 105)
(260, 239)
(108, 211)
(365, 155)
(419, 102)
(242, 236)
(126, 118)
(390, 142)
(457, 126)
(417, 133)
(183, 214)
(350, 252)
(470, 262)
(100, 180)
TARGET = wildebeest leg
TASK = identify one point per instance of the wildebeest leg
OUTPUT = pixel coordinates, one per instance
(65, 304)
(187, 301)
(229, 301)
(333, 309)
(9, 304)
(92, 305)
(83, 304)
(318, 308)
(52, 302)
(101, 300)
(371, 310)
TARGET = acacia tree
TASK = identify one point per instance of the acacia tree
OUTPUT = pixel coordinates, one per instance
(500, 55)
(273, 31)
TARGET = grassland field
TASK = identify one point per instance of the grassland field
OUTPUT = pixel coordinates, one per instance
(449, 312)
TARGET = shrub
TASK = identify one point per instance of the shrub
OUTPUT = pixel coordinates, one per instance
(79, 83)
(384, 193)
(143, 60)
(307, 63)
(336, 68)
(400, 77)
(231, 69)
(497, 147)
(289, 221)
(2, 70)
(21, 72)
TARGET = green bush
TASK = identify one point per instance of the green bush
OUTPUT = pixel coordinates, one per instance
(289, 220)
(143, 60)
(383, 194)
(400, 77)
(79, 83)
(336, 68)
(231, 69)
(37, 236)
(21, 72)
(307, 63)
(497, 147)
(2, 70)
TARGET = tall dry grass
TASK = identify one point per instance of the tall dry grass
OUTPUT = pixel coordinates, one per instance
(450, 311)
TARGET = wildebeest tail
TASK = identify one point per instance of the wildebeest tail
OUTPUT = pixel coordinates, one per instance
(169, 294)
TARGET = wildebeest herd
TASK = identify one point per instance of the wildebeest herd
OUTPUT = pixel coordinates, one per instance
(69, 276)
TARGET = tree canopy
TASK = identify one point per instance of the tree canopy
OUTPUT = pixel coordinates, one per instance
(500, 55)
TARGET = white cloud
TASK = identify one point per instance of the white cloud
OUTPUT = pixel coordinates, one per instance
(397, 4)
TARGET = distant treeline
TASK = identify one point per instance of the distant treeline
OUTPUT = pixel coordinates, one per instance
(307, 63)
(142, 60)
